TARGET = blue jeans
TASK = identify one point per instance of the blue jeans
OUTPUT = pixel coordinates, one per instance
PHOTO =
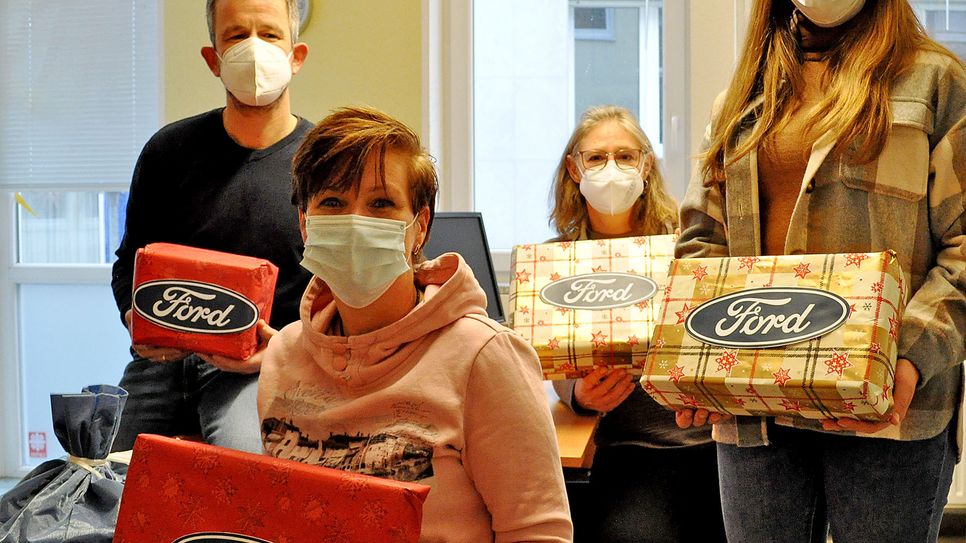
(189, 397)
(864, 489)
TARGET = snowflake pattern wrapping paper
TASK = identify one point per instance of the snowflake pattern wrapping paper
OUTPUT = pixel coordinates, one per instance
(590, 303)
(847, 372)
(177, 488)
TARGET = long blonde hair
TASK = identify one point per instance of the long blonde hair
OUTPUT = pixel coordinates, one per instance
(880, 44)
(654, 208)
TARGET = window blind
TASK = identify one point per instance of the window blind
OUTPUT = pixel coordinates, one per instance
(79, 91)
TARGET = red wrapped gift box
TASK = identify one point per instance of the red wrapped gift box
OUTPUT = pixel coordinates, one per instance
(200, 300)
(177, 488)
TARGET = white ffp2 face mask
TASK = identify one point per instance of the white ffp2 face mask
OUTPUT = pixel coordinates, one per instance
(255, 71)
(611, 190)
(358, 257)
(829, 13)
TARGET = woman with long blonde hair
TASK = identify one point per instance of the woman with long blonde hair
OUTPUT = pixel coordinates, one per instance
(843, 130)
(653, 210)
(607, 185)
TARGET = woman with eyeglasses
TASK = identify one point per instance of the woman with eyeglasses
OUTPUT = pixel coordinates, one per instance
(648, 476)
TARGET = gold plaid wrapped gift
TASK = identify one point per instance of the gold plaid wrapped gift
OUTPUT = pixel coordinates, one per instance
(846, 372)
(584, 304)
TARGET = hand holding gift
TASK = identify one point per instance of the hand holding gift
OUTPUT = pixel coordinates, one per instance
(153, 352)
(686, 418)
(604, 389)
(251, 364)
(907, 377)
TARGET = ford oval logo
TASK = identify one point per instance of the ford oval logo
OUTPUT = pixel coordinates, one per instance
(218, 537)
(608, 290)
(192, 306)
(767, 317)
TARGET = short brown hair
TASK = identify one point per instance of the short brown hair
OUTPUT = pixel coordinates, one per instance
(333, 156)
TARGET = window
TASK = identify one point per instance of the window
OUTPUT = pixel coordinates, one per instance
(945, 20)
(79, 87)
(534, 72)
(594, 24)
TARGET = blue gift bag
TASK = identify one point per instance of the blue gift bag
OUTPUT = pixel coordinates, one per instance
(75, 499)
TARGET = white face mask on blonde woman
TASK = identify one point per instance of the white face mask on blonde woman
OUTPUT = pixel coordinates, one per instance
(610, 189)
(611, 181)
(829, 13)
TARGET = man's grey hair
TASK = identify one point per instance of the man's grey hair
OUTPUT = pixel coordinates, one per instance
(293, 19)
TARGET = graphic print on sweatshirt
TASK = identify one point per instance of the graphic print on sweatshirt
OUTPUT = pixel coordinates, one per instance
(396, 443)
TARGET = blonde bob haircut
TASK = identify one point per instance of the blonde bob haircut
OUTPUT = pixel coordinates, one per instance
(654, 209)
(878, 45)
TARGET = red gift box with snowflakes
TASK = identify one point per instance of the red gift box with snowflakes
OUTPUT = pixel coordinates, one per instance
(802, 335)
(200, 300)
(585, 304)
(186, 491)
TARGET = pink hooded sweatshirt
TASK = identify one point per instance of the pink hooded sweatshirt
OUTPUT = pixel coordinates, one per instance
(444, 397)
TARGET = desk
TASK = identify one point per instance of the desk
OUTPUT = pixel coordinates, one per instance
(575, 433)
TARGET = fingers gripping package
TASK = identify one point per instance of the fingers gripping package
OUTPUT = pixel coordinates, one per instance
(200, 300)
(589, 303)
(813, 336)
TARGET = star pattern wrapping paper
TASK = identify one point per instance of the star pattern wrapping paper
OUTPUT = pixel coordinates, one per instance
(572, 342)
(848, 372)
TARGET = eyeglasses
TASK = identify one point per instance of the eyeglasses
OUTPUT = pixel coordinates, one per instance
(626, 159)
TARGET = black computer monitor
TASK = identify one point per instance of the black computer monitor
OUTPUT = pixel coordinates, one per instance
(463, 233)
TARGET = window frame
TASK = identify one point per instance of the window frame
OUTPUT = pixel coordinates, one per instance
(447, 100)
(13, 274)
(607, 33)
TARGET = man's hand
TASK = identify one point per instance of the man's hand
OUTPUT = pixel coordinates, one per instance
(686, 418)
(603, 389)
(250, 365)
(907, 377)
(153, 352)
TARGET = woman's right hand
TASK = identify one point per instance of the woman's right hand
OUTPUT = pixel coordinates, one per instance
(604, 389)
(686, 418)
(151, 352)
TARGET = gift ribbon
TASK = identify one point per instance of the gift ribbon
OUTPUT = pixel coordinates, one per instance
(122, 457)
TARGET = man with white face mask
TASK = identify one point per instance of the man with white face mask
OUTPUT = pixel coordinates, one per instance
(219, 180)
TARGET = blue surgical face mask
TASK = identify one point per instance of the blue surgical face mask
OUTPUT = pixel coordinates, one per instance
(358, 257)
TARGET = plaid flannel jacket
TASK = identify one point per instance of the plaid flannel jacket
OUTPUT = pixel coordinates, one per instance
(909, 199)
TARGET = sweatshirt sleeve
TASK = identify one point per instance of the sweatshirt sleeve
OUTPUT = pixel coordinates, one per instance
(511, 448)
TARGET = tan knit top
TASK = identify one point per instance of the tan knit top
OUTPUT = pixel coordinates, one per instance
(782, 161)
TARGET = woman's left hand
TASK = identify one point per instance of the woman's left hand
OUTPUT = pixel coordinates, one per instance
(250, 365)
(907, 377)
